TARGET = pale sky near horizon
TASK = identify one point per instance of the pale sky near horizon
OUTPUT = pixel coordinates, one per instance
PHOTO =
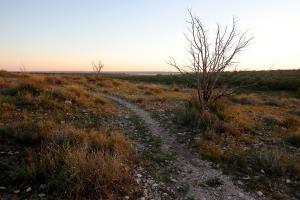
(139, 35)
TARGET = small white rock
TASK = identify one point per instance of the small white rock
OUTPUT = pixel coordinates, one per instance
(173, 180)
(241, 195)
(68, 102)
(28, 189)
(2, 188)
(16, 191)
(259, 193)
(42, 186)
(139, 175)
(126, 197)
(288, 181)
(41, 195)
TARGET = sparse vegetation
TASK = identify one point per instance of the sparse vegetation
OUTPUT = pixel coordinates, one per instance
(62, 124)
(52, 134)
(251, 131)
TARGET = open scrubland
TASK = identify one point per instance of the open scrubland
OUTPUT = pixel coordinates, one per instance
(58, 141)
(60, 138)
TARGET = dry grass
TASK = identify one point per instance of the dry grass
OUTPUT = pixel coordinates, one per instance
(56, 123)
(150, 96)
(275, 161)
(251, 134)
(92, 165)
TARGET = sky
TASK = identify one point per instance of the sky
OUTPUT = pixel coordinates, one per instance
(139, 35)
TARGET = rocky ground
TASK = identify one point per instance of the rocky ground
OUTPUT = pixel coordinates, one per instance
(172, 170)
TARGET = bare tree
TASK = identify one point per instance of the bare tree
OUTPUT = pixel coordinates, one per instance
(97, 68)
(23, 68)
(210, 57)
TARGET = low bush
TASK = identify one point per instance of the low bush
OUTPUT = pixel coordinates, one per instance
(275, 161)
(271, 121)
(274, 102)
(100, 100)
(209, 149)
(293, 139)
(62, 94)
(23, 87)
(30, 87)
(290, 122)
(4, 84)
(245, 100)
(54, 80)
(189, 115)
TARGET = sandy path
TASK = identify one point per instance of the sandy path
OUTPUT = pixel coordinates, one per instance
(194, 170)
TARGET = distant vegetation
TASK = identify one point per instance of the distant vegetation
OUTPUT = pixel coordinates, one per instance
(288, 80)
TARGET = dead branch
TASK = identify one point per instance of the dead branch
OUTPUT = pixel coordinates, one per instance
(210, 57)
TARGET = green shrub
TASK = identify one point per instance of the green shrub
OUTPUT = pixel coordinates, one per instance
(189, 115)
(193, 116)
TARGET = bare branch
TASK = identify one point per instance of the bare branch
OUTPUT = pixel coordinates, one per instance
(209, 60)
(97, 68)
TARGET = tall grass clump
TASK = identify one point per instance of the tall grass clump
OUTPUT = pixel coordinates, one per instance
(275, 161)
(81, 165)
(206, 120)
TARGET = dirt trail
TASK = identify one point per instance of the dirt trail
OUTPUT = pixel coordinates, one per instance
(194, 171)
